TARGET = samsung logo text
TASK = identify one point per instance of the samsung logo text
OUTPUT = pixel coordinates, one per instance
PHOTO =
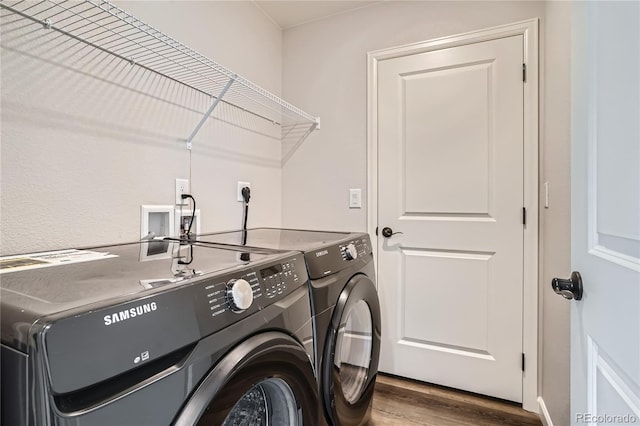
(130, 313)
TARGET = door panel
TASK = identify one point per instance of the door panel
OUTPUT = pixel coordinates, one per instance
(461, 166)
(428, 302)
(605, 188)
(450, 144)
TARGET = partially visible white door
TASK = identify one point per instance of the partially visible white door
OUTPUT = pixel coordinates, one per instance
(605, 324)
(450, 181)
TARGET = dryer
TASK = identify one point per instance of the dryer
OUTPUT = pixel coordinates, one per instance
(205, 336)
(345, 308)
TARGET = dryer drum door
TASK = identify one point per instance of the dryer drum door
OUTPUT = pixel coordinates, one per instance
(352, 350)
(266, 380)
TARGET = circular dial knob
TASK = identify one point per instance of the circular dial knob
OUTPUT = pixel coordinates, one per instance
(239, 295)
(351, 252)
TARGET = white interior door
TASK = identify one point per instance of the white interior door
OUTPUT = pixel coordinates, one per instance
(605, 324)
(450, 179)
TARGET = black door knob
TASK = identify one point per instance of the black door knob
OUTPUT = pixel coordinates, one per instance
(569, 289)
(387, 232)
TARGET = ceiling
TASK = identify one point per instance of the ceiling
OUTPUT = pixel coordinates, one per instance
(289, 14)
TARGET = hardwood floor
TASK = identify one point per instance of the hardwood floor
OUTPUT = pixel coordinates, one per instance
(399, 402)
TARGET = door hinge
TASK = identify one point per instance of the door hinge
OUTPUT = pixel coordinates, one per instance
(524, 215)
(376, 231)
(523, 362)
(524, 73)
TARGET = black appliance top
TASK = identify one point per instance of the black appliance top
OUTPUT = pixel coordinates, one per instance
(325, 252)
(97, 313)
(280, 239)
(112, 275)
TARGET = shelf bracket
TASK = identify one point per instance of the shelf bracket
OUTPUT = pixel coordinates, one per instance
(209, 111)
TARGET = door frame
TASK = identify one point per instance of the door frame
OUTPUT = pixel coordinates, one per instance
(529, 30)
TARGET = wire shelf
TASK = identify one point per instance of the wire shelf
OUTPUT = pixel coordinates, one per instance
(106, 27)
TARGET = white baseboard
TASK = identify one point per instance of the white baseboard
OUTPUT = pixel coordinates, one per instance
(544, 413)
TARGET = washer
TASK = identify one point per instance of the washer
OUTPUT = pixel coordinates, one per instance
(203, 336)
(345, 308)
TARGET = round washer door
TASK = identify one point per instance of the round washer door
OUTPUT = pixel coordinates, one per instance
(266, 380)
(352, 350)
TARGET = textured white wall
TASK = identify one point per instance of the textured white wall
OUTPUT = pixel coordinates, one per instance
(324, 71)
(86, 140)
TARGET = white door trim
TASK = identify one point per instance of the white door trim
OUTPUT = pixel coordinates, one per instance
(529, 30)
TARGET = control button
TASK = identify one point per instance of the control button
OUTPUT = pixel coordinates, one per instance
(350, 252)
(239, 295)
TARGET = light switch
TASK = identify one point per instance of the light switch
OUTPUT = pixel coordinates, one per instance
(355, 198)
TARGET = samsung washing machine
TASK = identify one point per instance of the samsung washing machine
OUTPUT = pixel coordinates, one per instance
(345, 308)
(157, 333)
